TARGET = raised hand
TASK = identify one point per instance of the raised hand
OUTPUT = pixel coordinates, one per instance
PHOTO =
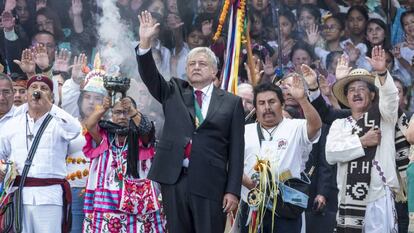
(310, 76)
(77, 7)
(7, 21)
(10, 5)
(313, 34)
(377, 59)
(297, 89)
(174, 22)
(255, 74)
(353, 52)
(127, 105)
(148, 28)
(40, 4)
(324, 86)
(62, 60)
(268, 68)
(40, 56)
(27, 63)
(78, 64)
(342, 68)
(107, 103)
(207, 27)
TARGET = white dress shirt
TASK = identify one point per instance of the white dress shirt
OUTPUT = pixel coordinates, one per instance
(206, 97)
(70, 96)
(50, 158)
(8, 116)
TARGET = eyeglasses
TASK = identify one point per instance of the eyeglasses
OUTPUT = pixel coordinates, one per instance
(6, 92)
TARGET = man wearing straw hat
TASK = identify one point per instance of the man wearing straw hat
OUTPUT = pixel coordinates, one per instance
(362, 145)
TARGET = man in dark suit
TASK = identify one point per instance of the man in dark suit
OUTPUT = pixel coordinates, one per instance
(199, 158)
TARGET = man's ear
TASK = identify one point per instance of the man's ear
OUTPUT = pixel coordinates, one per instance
(372, 96)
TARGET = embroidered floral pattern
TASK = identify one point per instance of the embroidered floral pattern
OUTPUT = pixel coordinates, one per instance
(124, 223)
(138, 197)
(114, 225)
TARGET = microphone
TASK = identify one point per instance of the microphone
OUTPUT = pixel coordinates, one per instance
(36, 95)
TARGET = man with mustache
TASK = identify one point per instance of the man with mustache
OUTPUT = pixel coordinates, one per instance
(288, 141)
(199, 157)
(363, 147)
(46, 193)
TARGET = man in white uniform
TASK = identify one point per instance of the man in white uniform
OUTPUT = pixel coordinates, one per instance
(43, 197)
(284, 142)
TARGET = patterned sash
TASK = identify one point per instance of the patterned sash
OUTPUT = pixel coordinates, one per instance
(352, 208)
(199, 115)
(352, 211)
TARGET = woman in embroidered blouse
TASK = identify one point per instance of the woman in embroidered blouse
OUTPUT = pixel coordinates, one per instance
(118, 198)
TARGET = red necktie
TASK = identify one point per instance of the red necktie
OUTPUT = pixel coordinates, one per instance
(199, 98)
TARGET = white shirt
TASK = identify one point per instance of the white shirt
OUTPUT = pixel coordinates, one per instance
(49, 160)
(70, 96)
(8, 116)
(206, 97)
(179, 69)
(292, 144)
(342, 146)
(361, 62)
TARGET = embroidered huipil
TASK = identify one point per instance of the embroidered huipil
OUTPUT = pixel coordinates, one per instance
(104, 186)
(49, 160)
(342, 146)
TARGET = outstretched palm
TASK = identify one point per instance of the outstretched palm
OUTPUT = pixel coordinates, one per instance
(310, 76)
(148, 26)
(78, 63)
(40, 56)
(62, 60)
(342, 68)
(377, 59)
(27, 63)
(297, 90)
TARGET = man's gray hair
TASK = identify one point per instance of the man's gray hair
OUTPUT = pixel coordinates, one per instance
(207, 51)
(245, 86)
(7, 78)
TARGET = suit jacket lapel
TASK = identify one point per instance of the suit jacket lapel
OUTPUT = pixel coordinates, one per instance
(215, 102)
(188, 98)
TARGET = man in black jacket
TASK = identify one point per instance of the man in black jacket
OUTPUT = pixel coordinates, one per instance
(199, 158)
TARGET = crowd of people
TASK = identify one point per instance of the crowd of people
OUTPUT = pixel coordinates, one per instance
(320, 128)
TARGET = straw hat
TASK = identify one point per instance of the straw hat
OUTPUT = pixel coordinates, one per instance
(354, 75)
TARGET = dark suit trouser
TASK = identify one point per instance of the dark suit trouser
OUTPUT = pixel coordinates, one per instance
(402, 213)
(189, 213)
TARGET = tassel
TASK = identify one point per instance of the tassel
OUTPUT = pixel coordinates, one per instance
(402, 195)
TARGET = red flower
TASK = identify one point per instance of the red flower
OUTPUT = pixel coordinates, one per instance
(114, 225)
